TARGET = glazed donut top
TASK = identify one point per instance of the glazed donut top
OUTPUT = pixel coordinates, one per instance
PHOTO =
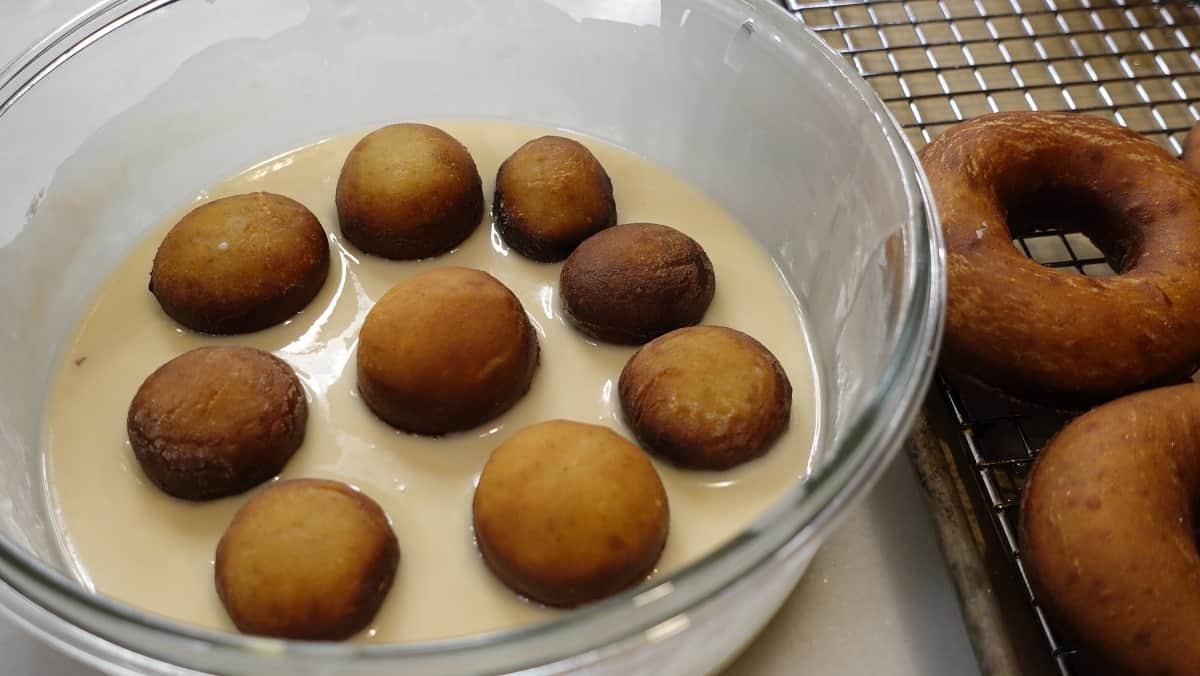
(1048, 335)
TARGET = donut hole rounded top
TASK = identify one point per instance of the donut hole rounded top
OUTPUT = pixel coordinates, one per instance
(217, 421)
(705, 397)
(566, 513)
(306, 559)
(634, 282)
(408, 191)
(444, 351)
(240, 264)
(551, 194)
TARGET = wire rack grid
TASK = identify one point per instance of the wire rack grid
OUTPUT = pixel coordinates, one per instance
(938, 62)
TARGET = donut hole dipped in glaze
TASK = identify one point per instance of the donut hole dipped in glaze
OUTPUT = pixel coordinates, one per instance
(240, 264)
(566, 513)
(408, 191)
(705, 397)
(636, 281)
(444, 351)
(1108, 531)
(1045, 335)
(551, 194)
(306, 559)
(217, 421)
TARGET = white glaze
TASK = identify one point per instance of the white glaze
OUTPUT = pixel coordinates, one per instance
(130, 541)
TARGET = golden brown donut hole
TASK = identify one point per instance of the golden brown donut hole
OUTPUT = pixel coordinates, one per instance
(408, 191)
(636, 281)
(217, 421)
(306, 559)
(705, 397)
(240, 264)
(567, 513)
(444, 351)
(551, 194)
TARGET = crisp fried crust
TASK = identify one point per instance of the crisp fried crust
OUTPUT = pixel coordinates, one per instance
(567, 513)
(1107, 531)
(306, 559)
(1047, 335)
(444, 351)
(706, 397)
(636, 281)
(551, 194)
(217, 421)
(240, 264)
(408, 191)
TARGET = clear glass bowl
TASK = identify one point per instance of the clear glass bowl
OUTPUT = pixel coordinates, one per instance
(119, 116)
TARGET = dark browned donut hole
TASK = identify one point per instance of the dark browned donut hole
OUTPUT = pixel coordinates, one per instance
(217, 421)
(634, 282)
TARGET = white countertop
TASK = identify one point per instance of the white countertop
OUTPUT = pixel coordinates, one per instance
(876, 599)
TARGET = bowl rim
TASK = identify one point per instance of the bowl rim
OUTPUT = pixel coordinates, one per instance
(804, 514)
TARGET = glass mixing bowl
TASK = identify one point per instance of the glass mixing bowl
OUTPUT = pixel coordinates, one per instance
(119, 116)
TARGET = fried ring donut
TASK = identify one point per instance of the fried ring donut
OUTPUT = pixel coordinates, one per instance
(1045, 335)
(1191, 149)
(1107, 530)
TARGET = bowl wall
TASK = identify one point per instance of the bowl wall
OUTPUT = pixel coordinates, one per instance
(120, 117)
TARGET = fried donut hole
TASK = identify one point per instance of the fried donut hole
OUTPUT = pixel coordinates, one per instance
(306, 559)
(445, 351)
(567, 513)
(551, 194)
(217, 421)
(636, 281)
(408, 191)
(240, 264)
(705, 397)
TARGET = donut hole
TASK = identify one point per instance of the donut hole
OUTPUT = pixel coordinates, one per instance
(1067, 229)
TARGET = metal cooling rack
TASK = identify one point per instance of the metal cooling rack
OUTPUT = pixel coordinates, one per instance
(938, 62)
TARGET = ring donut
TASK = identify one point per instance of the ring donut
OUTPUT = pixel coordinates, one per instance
(1107, 530)
(1191, 149)
(1045, 335)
